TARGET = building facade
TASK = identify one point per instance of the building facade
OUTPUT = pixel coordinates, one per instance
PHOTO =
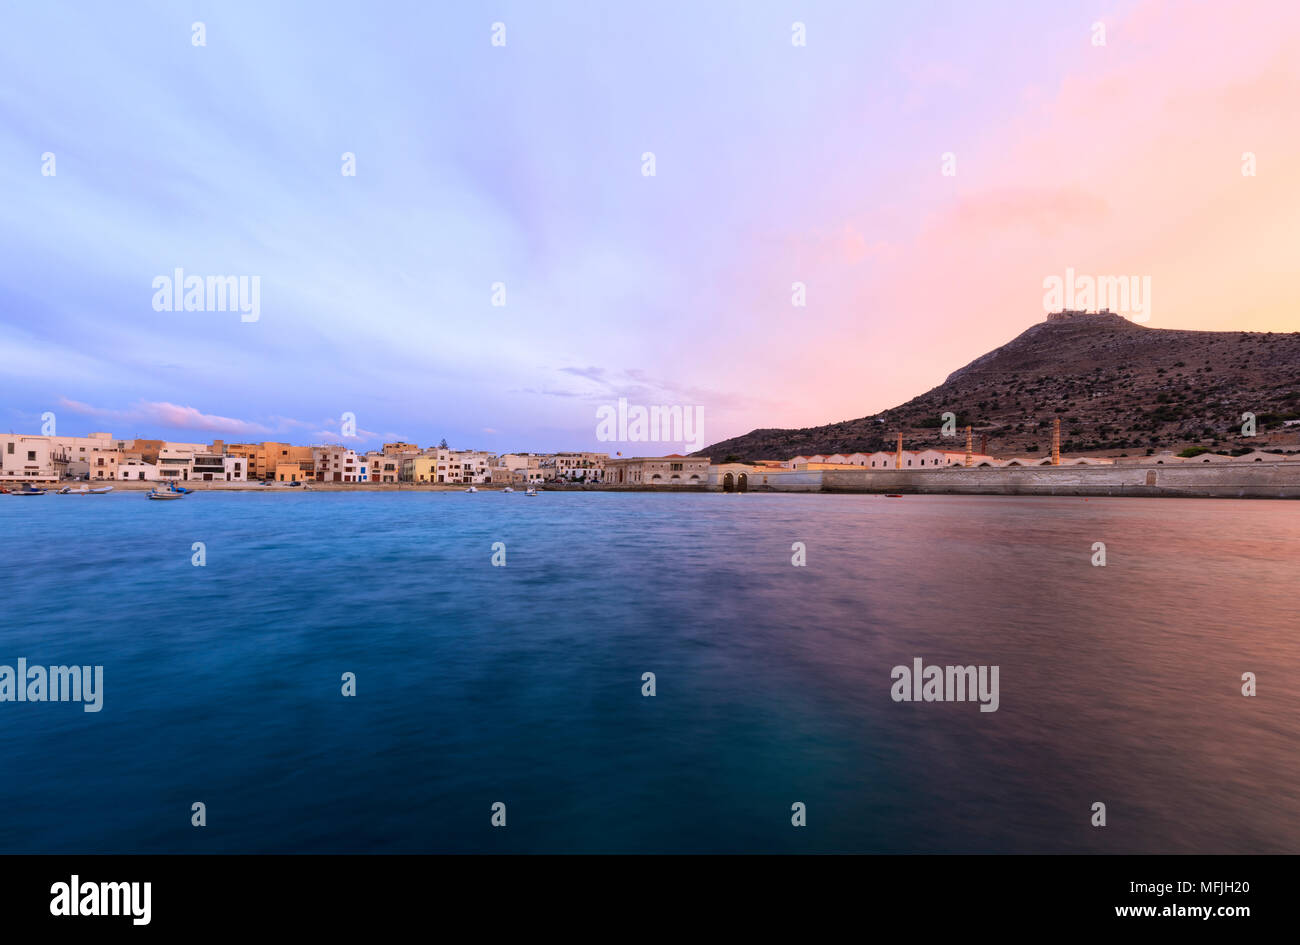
(671, 470)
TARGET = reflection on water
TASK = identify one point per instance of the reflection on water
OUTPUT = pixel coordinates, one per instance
(522, 684)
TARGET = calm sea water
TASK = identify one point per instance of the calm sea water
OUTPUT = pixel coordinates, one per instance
(522, 684)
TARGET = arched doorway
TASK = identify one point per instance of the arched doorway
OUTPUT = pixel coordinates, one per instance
(728, 482)
(742, 483)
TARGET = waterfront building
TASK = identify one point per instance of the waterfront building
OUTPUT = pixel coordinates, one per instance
(398, 449)
(769, 475)
(569, 467)
(385, 466)
(219, 467)
(295, 472)
(95, 456)
(335, 463)
(671, 470)
(451, 466)
(422, 467)
(175, 463)
(132, 467)
(39, 458)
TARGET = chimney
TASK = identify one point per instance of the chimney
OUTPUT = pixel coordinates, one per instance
(1056, 442)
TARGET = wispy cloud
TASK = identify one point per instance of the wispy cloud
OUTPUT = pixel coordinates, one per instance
(174, 416)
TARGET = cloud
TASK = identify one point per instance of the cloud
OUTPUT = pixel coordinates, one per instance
(164, 414)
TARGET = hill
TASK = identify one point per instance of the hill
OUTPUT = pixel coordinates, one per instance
(1118, 387)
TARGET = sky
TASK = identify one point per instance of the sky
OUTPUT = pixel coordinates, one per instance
(920, 169)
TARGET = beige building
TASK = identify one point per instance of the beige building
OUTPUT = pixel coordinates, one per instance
(264, 459)
(519, 468)
(35, 458)
(295, 472)
(385, 466)
(450, 466)
(570, 467)
(336, 463)
(95, 456)
(671, 470)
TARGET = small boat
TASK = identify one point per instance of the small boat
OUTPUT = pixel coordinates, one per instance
(178, 489)
(507, 489)
(531, 492)
(471, 489)
(29, 490)
(100, 490)
(165, 494)
(64, 491)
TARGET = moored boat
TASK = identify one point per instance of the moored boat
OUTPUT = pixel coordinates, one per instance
(100, 490)
(165, 494)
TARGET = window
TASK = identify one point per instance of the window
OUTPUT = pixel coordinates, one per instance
(31, 456)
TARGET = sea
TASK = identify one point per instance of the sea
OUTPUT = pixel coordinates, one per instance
(371, 672)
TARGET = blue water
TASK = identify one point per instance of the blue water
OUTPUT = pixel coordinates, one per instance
(522, 684)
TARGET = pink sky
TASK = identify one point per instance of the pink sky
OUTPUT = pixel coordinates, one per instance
(1132, 165)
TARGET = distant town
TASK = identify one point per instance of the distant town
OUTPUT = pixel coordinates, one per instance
(99, 457)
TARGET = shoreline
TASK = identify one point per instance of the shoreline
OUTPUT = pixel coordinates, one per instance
(1225, 481)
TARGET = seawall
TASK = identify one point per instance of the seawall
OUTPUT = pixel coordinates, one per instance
(1234, 481)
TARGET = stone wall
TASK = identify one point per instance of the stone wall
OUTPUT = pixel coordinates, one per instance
(1242, 480)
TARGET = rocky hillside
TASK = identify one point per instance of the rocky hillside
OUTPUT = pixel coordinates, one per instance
(1118, 387)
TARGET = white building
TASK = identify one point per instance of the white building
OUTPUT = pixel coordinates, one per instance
(175, 462)
(137, 469)
(40, 458)
(95, 456)
(219, 467)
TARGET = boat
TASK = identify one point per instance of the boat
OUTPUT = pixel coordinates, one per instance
(471, 489)
(165, 494)
(507, 489)
(100, 490)
(29, 490)
(179, 489)
(64, 491)
(531, 491)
